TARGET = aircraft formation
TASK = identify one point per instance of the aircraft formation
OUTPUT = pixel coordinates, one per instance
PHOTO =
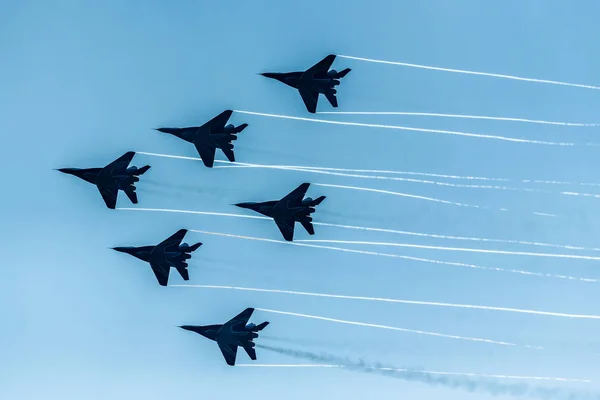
(207, 138)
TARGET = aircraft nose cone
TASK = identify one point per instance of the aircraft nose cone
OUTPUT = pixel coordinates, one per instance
(201, 330)
(244, 205)
(187, 327)
(64, 170)
(121, 249)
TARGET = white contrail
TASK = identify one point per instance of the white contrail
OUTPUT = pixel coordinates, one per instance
(412, 196)
(190, 212)
(325, 172)
(581, 194)
(474, 72)
(315, 170)
(379, 171)
(372, 253)
(497, 376)
(423, 114)
(406, 128)
(362, 228)
(474, 239)
(393, 328)
(433, 199)
(387, 300)
(468, 250)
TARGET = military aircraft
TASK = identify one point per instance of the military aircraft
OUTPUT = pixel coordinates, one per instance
(233, 333)
(293, 207)
(112, 178)
(317, 79)
(168, 253)
(209, 137)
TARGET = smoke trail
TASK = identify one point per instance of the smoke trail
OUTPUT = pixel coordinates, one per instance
(406, 128)
(471, 383)
(415, 370)
(455, 264)
(469, 250)
(422, 114)
(413, 302)
(473, 72)
(393, 328)
(378, 171)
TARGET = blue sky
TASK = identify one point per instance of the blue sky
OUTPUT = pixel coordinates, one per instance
(84, 82)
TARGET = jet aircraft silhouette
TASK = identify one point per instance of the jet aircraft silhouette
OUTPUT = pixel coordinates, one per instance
(290, 209)
(233, 333)
(112, 178)
(317, 79)
(168, 253)
(209, 137)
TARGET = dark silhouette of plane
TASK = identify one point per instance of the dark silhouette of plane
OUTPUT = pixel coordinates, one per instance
(293, 207)
(233, 333)
(209, 137)
(317, 79)
(168, 253)
(112, 178)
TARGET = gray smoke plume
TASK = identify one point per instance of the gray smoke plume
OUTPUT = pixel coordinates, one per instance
(482, 385)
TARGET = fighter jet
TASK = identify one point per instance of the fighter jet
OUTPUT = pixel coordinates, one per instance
(112, 178)
(293, 207)
(233, 333)
(210, 136)
(317, 79)
(168, 253)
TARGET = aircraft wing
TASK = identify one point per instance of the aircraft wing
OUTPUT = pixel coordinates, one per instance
(322, 67)
(286, 227)
(218, 121)
(173, 240)
(161, 272)
(310, 98)
(181, 268)
(229, 351)
(207, 154)
(239, 321)
(131, 193)
(250, 351)
(296, 195)
(332, 99)
(229, 154)
(308, 226)
(109, 194)
(120, 164)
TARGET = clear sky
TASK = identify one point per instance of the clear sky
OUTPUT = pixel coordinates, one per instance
(82, 82)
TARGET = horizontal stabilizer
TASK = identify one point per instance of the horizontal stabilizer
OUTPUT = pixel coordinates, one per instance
(260, 327)
(318, 200)
(343, 73)
(240, 128)
(142, 170)
(194, 247)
